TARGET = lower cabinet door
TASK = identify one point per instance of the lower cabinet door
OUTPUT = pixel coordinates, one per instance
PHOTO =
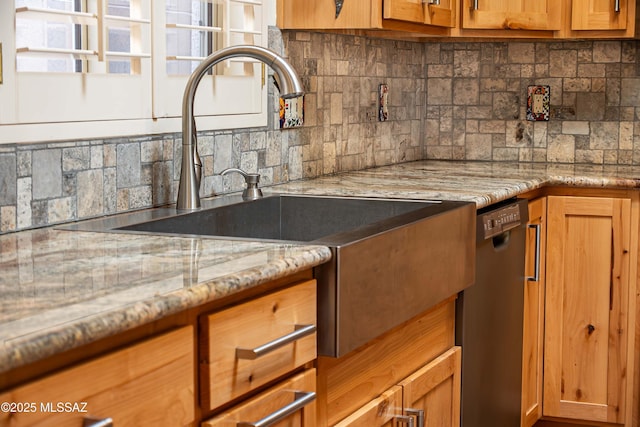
(533, 318)
(288, 404)
(380, 412)
(434, 391)
(591, 243)
(150, 383)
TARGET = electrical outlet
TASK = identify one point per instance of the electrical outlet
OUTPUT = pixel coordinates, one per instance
(383, 102)
(538, 103)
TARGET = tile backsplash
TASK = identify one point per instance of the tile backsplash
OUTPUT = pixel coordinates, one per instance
(447, 100)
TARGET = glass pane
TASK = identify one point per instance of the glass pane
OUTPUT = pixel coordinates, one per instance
(119, 38)
(37, 34)
(188, 42)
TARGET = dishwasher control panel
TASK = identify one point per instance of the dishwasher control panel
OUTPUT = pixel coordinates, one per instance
(500, 220)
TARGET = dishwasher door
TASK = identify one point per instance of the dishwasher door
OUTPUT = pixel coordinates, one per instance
(489, 320)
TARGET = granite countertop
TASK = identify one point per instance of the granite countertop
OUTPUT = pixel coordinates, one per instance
(63, 289)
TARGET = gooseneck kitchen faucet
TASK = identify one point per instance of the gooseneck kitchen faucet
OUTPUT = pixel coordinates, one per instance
(290, 87)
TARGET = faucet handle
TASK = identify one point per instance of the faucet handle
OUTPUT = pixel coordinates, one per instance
(252, 191)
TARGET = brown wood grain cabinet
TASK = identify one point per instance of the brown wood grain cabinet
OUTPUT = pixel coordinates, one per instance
(580, 316)
(226, 374)
(544, 19)
(533, 315)
(587, 308)
(418, 356)
(414, 16)
(431, 394)
(146, 384)
(512, 15)
(600, 18)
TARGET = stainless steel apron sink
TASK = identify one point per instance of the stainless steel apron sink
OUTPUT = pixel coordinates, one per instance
(392, 259)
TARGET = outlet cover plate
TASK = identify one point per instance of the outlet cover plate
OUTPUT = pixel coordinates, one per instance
(538, 103)
(383, 102)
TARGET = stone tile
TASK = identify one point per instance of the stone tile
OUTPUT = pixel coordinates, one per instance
(478, 147)
(575, 128)
(466, 63)
(8, 179)
(128, 165)
(590, 106)
(76, 159)
(630, 92)
(563, 63)
(439, 91)
(465, 91)
(561, 149)
(506, 106)
(47, 173)
(607, 51)
(90, 193)
(522, 53)
(604, 135)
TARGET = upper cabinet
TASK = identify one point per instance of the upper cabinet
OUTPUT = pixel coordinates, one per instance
(550, 19)
(440, 13)
(601, 18)
(512, 14)
(417, 16)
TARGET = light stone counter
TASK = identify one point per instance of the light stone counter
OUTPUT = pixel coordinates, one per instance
(63, 289)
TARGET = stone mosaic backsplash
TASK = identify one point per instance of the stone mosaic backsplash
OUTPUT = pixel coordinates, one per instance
(447, 100)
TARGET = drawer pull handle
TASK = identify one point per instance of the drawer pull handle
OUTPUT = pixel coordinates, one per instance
(475, 5)
(418, 413)
(405, 420)
(536, 260)
(302, 399)
(97, 422)
(616, 6)
(300, 331)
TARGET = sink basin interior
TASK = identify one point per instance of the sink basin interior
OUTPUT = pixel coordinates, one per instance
(282, 217)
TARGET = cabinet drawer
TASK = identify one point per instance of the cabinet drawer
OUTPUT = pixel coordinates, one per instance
(227, 373)
(146, 384)
(297, 395)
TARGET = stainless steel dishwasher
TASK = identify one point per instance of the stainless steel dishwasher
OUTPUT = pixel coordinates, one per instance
(489, 319)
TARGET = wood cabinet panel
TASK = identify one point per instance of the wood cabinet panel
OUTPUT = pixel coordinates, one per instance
(512, 14)
(435, 389)
(533, 317)
(225, 375)
(379, 412)
(599, 15)
(271, 401)
(587, 302)
(146, 384)
(442, 14)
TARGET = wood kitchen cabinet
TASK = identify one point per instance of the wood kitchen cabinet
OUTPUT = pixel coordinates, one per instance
(146, 384)
(416, 16)
(591, 242)
(236, 344)
(533, 315)
(431, 396)
(418, 357)
(512, 14)
(549, 19)
(600, 18)
(293, 399)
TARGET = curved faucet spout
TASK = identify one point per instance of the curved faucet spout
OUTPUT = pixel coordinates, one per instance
(290, 87)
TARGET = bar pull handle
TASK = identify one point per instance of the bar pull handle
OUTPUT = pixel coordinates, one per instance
(435, 2)
(536, 259)
(404, 419)
(302, 399)
(97, 422)
(616, 6)
(475, 4)
(300, 331)
(418, 413)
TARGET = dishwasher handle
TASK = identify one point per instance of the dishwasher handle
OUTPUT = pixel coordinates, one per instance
(536, 258)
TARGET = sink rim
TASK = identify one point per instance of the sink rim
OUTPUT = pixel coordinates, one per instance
(117, 223)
